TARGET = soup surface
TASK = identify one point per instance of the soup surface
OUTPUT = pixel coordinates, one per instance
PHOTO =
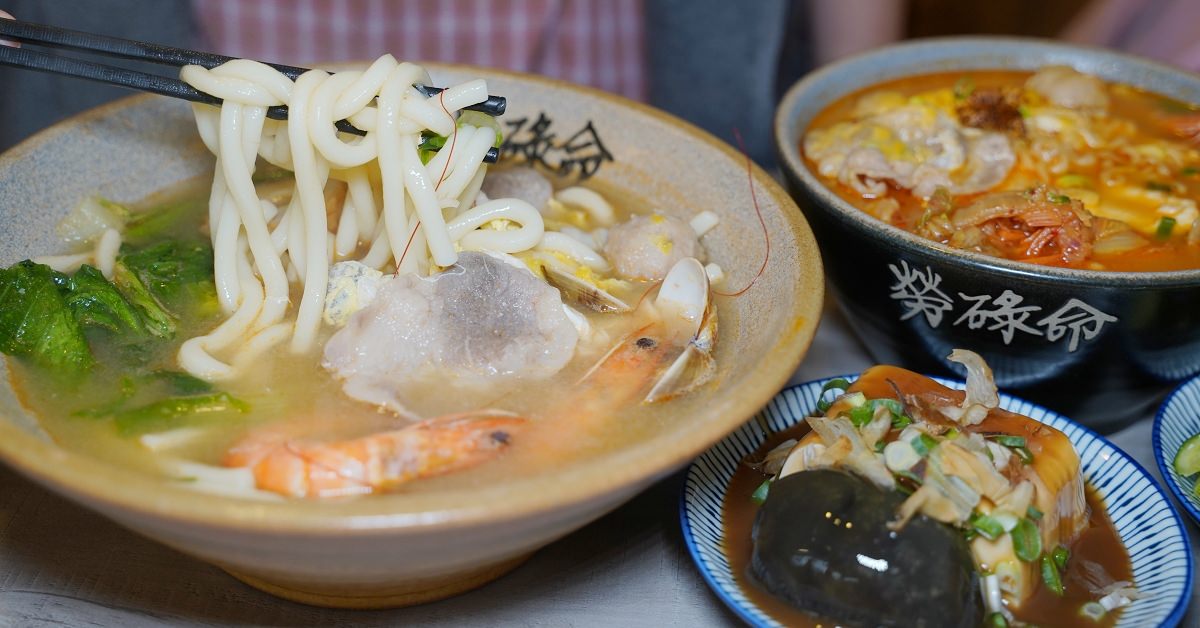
(1055, 167)
(135, 407)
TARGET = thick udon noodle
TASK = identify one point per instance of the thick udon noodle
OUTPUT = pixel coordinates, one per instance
(426, 214)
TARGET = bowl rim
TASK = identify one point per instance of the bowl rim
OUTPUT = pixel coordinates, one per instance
(1160, 459)
(113, 489)
(1178, 611)
(787, 133)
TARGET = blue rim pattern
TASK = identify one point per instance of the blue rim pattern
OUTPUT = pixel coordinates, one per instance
(1177, 419)
(1151, 530)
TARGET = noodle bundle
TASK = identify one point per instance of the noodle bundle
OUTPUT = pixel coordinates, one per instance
(398, 210)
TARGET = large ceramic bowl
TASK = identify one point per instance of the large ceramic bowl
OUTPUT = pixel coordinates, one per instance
(401, 549)
(1096, 346)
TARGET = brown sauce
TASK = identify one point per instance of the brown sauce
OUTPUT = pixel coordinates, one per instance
(1099, 543)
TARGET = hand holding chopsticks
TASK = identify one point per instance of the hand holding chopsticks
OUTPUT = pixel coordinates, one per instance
(62, 39)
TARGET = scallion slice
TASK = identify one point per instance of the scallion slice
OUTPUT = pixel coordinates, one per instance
(1166, 225)
(1027, 541)
(1009, 441)
(1093, 611)
(1051, 577)
(760, 494)
(1158, 186)
(833, 384)
(923, 444)
(987, 527)
(996, 620)
(1061, 555)
(1033, 513)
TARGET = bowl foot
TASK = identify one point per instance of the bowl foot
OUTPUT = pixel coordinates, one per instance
(376, 596)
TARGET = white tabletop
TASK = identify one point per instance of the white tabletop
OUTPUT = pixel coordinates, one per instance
(63, 565)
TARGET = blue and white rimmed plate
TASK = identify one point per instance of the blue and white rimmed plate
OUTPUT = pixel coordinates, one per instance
(1177, 420)
(1148, 526)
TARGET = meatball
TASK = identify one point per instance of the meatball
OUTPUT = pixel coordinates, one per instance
(646, 247)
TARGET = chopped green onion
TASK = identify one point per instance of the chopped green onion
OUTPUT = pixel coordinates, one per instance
(1073, 181)
(879, 445)
(1158, 186)
(1024, 454)
(1190, 171)
(1061, 199)
(862, 415)
(1026, 540)
(963, 88)
(1009, 441)
(1050, 576)
(760, 494)
(952, 434)
(1023, 110)
(987, 527)
(900, 421)
(1093, 611)
(996, 620)
(1166, 225)
(969, 534)
(1033, 513)
(833, 384)
(865, 413)
(923, 444)
(1061, 555)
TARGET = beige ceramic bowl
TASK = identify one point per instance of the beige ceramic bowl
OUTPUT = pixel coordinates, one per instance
(399, 549)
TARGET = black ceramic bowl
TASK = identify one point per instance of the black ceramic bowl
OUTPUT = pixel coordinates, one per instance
(1097, 346)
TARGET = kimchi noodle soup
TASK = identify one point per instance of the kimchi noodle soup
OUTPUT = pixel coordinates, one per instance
(1054, 167)
(335, 316)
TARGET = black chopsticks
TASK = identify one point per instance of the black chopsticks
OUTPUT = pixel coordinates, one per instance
(58, 38)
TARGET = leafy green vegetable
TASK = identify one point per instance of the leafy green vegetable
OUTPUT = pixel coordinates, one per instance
(1009, 441)
(1061, 199)
(36, 324)
(97, 303)
(167, 413)
(180, 383)
(1033, 513)
(996, 620)
(1027, 541)
(158, 322)
(174, 220)
(179, 275)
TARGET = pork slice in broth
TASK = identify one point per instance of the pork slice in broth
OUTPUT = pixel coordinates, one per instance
(473, 330)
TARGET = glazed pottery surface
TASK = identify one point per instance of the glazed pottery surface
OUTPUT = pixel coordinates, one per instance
(400, 549)
(1098, 346)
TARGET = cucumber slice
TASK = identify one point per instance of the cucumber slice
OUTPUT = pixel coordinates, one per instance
(1187, 459)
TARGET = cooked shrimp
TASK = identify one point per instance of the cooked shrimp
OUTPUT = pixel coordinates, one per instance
(667, 357)
(292, 466)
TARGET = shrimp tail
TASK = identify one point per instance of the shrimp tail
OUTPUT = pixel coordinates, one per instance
(377, 462)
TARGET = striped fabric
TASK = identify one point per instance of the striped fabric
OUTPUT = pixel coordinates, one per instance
(592, 42)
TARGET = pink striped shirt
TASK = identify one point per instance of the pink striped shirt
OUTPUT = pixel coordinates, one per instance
(591, 42)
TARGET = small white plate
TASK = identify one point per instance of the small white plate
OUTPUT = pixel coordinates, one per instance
(1148, 526)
